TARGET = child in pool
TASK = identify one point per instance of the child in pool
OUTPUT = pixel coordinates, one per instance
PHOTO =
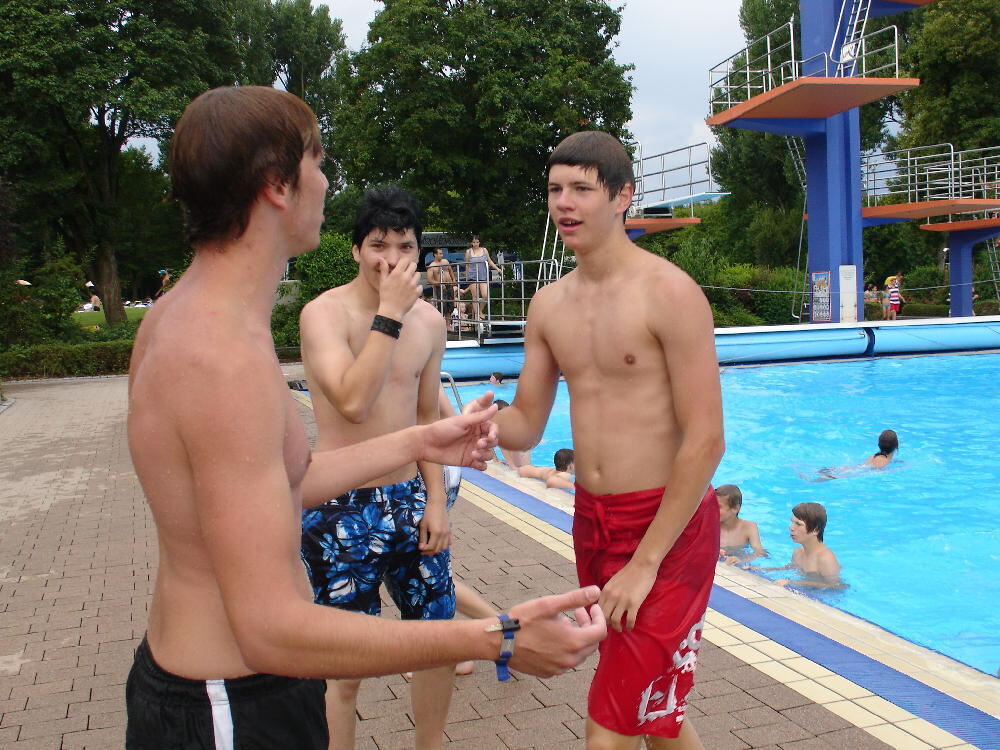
(735, 533)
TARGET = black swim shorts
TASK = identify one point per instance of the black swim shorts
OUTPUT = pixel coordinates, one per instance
(257, 712)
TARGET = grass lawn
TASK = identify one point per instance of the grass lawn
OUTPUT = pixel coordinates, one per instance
(91, 318)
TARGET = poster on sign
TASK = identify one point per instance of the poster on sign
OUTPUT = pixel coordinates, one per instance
(821, 311)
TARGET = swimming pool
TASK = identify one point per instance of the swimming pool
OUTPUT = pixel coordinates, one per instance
(919, 542)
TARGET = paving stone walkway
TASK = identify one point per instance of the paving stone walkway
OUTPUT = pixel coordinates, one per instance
(77, 560)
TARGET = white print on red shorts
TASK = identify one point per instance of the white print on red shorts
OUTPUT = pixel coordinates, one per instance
(656, 704)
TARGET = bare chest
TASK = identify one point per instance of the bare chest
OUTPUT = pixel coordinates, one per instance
(605, 335)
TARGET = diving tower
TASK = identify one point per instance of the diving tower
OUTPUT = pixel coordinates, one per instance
(807, 81)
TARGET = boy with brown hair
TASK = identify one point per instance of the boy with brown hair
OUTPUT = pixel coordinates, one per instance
(633, 336)
(236, 649)
(813, 558)
(735, 533)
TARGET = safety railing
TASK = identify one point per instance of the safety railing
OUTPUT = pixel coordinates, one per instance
(874, 55)
(764, 64)
(496, 308)
(977, 173)
(677, 176)
(911, 175)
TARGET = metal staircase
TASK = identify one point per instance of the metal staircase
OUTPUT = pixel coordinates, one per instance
(851, 32)
(993, 255)
(798, 151)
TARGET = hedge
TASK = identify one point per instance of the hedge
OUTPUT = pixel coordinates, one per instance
(66, 360)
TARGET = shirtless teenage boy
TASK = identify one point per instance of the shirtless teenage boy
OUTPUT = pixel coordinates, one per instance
(813, 558)
(735, 533)
(226, 468)
(632, 334)
(367, 381)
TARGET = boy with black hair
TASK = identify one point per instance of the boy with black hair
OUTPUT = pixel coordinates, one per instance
(369, 378)
(736, 534)
(632, 334)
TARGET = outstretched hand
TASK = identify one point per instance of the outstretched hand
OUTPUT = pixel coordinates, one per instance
(464, 440)
(549, 643)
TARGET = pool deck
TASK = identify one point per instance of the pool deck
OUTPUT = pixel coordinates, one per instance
(78, 553)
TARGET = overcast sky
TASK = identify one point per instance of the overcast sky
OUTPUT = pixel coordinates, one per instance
(672, 43)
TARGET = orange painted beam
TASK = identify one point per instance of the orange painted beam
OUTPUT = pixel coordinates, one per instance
(926, 209)
(661, 225)
(814, 98)
(958, 226)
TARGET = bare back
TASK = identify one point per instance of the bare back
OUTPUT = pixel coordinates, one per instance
(612, 340)
(179, 367)
(338, 322)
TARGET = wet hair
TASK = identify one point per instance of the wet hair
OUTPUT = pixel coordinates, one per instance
(563, 458)
(594, 149)
(229, 144)
(888, 443)
(386, 208)
(498, 376)
(501, 404)
(813, 515)
(732, 495)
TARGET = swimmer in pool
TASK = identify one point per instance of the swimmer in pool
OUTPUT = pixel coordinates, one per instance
(813, 558)
(736, 534)
(888, 444)
(561, 476)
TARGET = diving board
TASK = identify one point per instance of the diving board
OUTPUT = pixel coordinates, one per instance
(927, 209)
(686, 200)
(814, 97)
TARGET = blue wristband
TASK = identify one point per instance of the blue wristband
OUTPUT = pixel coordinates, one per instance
(508, 626)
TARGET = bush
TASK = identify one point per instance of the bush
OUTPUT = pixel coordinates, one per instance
(66, 360)
(329, 265)
(926, 284)
(735, 317)
(873, 311)
(44, 311)
(774, 306)
(920, 310)
(986, 307)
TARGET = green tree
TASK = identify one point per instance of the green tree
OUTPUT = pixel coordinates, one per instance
(461, 102)
(79, 80)
(955, 52)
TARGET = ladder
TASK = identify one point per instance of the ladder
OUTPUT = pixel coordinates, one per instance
(850, 29)
(993, 255)
(797, 148)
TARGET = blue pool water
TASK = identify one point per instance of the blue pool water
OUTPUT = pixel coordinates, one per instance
(920, 541)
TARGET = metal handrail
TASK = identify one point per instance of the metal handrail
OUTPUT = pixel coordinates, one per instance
(678, 173)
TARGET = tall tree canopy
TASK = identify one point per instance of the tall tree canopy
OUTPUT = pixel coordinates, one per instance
(461, 102)
(955, 52)
(79, 79)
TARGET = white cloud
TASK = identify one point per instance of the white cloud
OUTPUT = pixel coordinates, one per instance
(672, 43)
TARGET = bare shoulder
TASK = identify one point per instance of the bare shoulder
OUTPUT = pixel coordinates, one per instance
(330, 301)
(427, 317)
(669, 278)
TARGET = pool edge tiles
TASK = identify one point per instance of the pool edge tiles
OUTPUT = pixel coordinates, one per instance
(886, 702)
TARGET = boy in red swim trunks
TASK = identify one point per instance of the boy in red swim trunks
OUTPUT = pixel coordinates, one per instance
(632, 334)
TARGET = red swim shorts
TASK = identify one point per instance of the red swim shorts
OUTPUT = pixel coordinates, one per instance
(644, 675)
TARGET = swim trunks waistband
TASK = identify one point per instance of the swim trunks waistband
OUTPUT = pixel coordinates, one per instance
(176, 690)
(623, 510)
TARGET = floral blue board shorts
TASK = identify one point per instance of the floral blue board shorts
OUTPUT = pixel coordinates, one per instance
(353, 543)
